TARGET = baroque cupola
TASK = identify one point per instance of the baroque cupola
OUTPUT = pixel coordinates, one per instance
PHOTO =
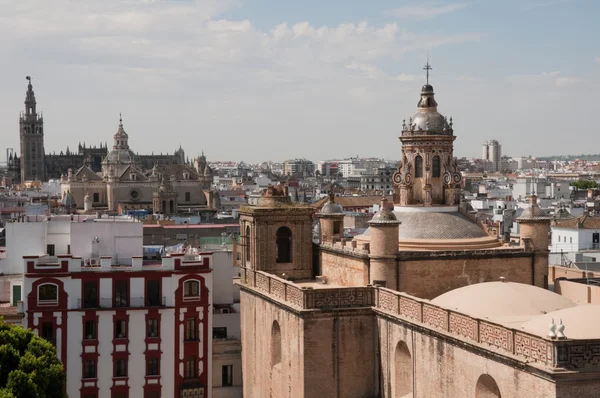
(428, 174)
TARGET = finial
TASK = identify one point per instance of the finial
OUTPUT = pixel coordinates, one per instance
(383, 202)
(403, 124)
(427, 68)
(120, 118)
(560, 330)
(451, 122)
(331, 197)
(552, 327)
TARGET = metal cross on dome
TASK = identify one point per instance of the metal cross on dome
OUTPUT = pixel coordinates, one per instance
(427, 68)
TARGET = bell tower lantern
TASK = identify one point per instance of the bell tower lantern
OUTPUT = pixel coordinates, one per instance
(427, 175)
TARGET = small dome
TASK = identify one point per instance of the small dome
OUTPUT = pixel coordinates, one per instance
(581, 322)
(504, 302)
(331, 208)
(431, 121)
(384, 215)
(427, 89)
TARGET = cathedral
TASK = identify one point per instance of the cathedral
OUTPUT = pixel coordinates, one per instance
(426, 303)
(35, 164)
(124, 184)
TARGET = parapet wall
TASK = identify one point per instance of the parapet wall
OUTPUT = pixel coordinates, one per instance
(487, 335)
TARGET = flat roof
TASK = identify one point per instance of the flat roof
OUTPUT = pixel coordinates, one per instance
(191, 226)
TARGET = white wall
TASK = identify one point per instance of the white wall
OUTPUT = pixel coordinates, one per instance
(565, 240)
(223, 274)
(118, 239)
(22, 239)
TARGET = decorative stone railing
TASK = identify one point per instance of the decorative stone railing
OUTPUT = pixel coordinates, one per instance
(554, 353)
(564, 353)
(306, 298)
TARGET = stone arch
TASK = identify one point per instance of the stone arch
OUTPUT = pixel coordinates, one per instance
(403, 371)
(486, 387)
(275, 344)
(284, 245)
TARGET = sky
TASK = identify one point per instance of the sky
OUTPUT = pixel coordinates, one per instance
(254, 80)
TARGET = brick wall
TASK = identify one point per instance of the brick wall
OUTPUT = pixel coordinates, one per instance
(344, 270)
(428, 278)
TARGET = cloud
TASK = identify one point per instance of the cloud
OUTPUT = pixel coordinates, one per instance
(553, 78)
(156, 58)
(597, 59)
(533, 4)
(468, 79)
(425, 10)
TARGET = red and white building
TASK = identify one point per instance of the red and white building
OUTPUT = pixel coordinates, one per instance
(123, 326)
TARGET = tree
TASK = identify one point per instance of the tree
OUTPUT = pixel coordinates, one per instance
(584, 184)
(29, 367)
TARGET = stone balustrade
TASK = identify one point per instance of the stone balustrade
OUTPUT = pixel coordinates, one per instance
(565, 353)
(308, 298)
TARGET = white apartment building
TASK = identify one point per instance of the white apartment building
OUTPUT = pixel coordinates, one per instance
(123, 326)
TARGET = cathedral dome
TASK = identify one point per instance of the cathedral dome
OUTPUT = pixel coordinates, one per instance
(120, 156)
(427, 121)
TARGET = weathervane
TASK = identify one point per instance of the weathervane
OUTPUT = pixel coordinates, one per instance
(427, 68)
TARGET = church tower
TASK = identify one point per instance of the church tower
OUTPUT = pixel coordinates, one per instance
(428, 175)
(31, 131)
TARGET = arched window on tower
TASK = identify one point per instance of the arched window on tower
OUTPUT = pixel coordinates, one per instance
(418, 167)
(247, 241)
(436, 171)
(284, 245)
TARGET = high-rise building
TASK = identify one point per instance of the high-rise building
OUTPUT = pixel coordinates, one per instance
(492, 152)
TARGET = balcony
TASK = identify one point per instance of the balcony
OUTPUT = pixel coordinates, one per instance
(110, 302)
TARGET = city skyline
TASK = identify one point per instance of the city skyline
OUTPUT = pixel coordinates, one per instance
(337, 78)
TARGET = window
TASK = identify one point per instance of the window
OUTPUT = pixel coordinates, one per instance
(436, 168)
(50, 250)
(48, 293)
(48, 331)
(227, 376)
(152, 330)
(89, 369)
(96, 197)
(90, 330)
(190, 329)
(187, 197)
(418, 167)
(336, 227)
(121, 288)
(220, 333)
(153, 293)
(119, 394)
(90, 294)
(190, 367)
(275, 344)
(191, 289)
(152, 394)
(152, 368)
(247, 239)
(120, 329)
(120, 368)
(284, 245)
